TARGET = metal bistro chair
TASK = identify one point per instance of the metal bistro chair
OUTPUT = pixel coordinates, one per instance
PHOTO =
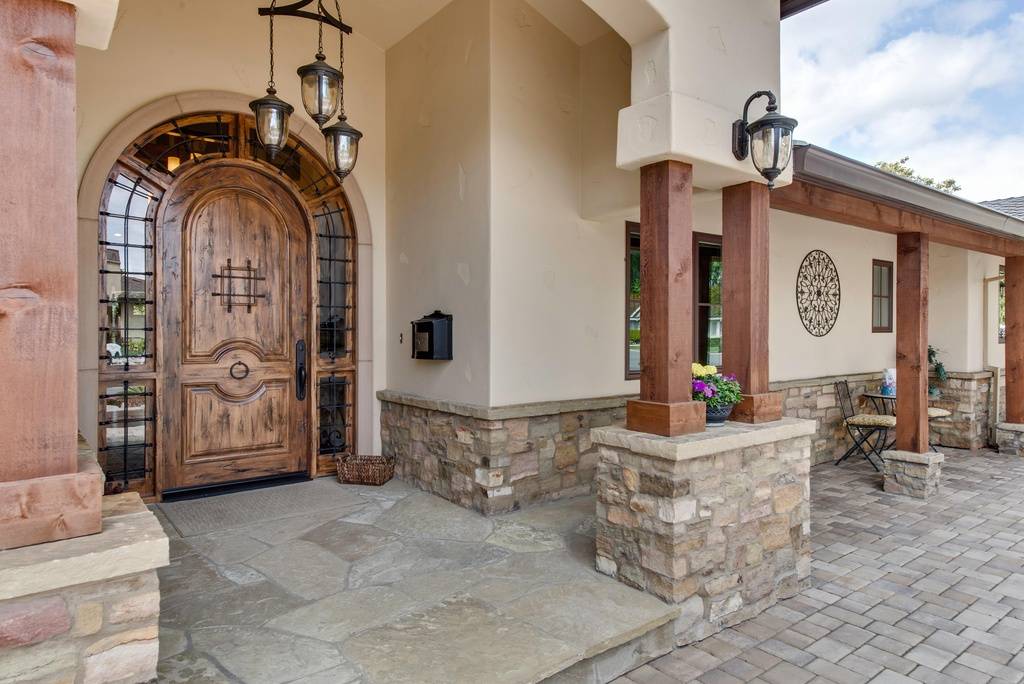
(869, 431)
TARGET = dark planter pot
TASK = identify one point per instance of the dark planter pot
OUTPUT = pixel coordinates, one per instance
(718, 416)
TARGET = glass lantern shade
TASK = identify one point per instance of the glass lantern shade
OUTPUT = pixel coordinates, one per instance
(271, 122)
(321, 88)
(342, 147)
(771, 144)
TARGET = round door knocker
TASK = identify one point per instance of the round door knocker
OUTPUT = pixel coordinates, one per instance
(242, 373)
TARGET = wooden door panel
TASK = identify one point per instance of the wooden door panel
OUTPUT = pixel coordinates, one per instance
(222, 425)
(234, 300)
(236, 255)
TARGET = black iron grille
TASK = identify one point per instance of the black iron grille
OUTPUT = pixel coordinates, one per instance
(128, 414)
(334, 281)
(126, 242)
(334, 404)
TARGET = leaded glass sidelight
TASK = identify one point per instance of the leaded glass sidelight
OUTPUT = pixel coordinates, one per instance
(334, 404)
(126, 272)
(335, 281)
(126, 434)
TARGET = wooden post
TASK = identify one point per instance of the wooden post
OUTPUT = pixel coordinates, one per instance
(745, 299)
(912, 342)
(1014, 274)
(43, 494)
(665, 406)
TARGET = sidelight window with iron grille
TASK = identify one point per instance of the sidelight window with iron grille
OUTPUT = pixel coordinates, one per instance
(126, 432)
(335, 409)
(126, 272)
(335, 280)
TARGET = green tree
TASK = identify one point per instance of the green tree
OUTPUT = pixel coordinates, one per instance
(900, 168)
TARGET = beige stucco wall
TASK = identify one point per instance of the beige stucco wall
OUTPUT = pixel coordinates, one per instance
(556, 277)
(850, 347)
(439, 199)
(605, 190)
(689, 84)
(164, 48)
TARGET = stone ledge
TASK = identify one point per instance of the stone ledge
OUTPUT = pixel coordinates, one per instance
(132, 541)
(730, 437)
(1010, 427)
(927, 458)
(508, 412)
(852, 378)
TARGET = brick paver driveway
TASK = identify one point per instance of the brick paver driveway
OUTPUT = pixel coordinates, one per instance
(902, 590)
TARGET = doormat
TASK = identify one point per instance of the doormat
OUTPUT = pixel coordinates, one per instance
(238, 509)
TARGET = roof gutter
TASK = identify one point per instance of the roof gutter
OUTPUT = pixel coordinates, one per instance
(788, 8)
(818, 166)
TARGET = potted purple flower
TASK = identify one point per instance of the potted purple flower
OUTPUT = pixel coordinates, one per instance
(719, 392)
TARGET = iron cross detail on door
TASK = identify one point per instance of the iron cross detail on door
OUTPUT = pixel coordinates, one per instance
(248, 276)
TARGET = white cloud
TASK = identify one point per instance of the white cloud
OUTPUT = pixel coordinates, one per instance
(878, 81)
(967, 14)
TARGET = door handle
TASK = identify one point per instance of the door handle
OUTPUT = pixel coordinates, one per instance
(300, 370)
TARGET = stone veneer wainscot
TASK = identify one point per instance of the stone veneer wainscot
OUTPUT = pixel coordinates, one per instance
(496, 459)
(85, 610)
(965, 395)
(716, 522)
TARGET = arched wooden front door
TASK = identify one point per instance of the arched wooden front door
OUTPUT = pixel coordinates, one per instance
(214, 262)
(233, 250)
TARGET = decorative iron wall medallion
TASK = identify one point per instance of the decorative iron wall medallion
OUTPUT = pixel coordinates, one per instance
(817, 293)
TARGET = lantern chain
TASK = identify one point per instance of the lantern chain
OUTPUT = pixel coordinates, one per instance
(341, 65)
(270, 84)
(320, 11)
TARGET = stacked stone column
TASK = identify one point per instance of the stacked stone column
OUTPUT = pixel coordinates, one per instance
(717, 523)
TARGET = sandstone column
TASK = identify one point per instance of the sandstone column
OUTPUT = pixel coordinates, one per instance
(44, 494)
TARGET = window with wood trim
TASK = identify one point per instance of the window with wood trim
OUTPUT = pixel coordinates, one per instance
(632, 300)
(881, 296)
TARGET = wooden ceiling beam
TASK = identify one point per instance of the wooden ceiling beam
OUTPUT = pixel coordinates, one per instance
(801, 197)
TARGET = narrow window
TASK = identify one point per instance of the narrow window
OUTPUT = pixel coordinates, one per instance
(881, 296)
(632, 300)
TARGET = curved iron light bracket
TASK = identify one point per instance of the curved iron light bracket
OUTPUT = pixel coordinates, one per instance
(740, 139)
(295, 10)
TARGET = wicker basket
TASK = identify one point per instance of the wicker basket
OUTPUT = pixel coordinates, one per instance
(365, 470)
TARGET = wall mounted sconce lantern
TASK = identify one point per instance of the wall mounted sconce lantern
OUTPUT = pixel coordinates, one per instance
(768, 141)
(322, 88)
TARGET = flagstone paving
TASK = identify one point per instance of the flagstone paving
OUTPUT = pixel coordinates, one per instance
(388, 585)
(323, 583)
(903, 590)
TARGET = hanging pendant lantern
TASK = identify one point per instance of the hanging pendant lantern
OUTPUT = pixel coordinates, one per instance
(322, 88)
(320, 84)
(271, 111)
(342, 147)
(342, 138)
(271, 122)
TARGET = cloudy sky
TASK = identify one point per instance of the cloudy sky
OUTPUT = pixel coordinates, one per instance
(940, 81)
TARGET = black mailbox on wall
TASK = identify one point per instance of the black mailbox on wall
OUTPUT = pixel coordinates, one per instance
(432, 337)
